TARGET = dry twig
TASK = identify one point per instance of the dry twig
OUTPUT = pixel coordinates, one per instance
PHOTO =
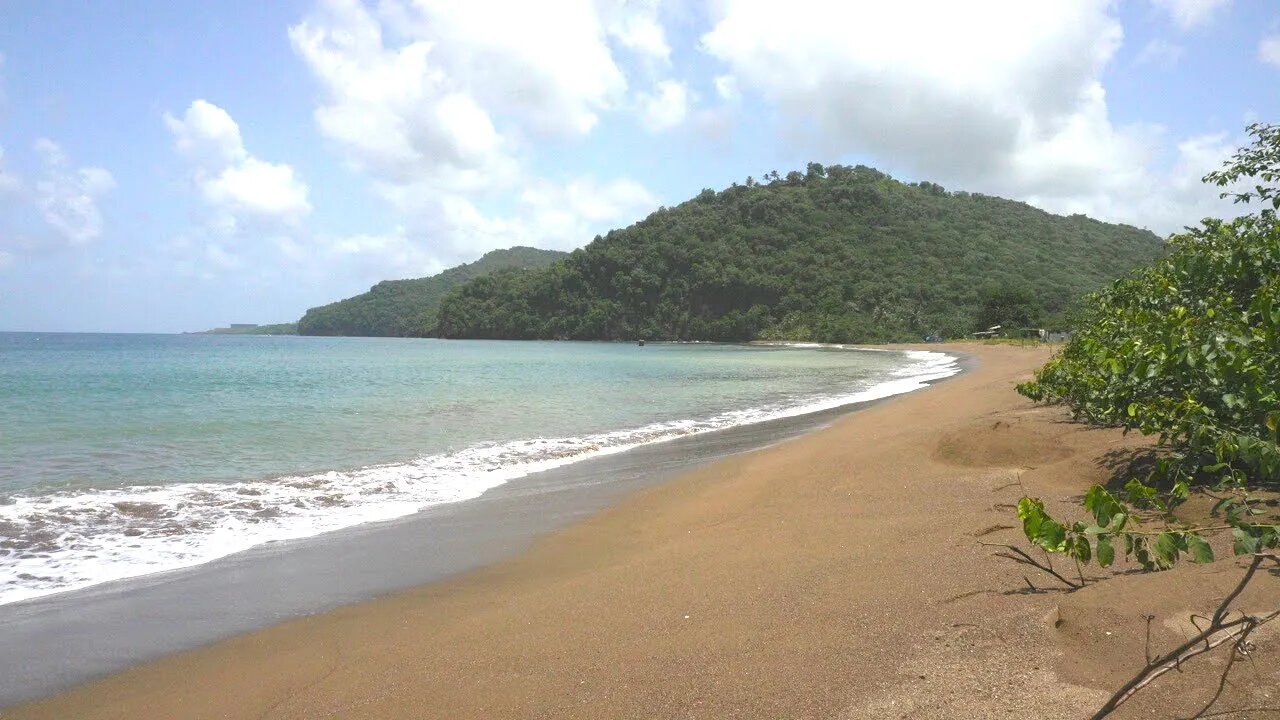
(1018, 555)
(1218, 632)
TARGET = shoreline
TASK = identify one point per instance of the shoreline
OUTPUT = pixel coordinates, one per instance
(432, 478)
(835, 574)
(77, 636)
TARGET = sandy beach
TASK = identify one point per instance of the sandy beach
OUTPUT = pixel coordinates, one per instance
(835, 575)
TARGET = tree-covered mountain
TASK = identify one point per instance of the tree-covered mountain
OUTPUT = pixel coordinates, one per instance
(836, 254)
(406, 308)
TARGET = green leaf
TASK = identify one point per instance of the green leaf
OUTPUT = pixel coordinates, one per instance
(1102, 505)
(1031, 513)
(1200, 550)
(1133, 409)
(1052, 537)
(1165, 549)
(1106, 553)
(1083, 552)
(1246, 543)
(1142, 554)
(1118, 521)
(1223, 504)
(1141, 494)
(1040, 529)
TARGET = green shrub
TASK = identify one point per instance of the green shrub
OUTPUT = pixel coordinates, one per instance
(1187, 350)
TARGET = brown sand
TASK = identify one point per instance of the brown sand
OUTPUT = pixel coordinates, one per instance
(834, 576)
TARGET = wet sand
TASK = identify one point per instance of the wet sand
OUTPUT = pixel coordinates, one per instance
(835, 575)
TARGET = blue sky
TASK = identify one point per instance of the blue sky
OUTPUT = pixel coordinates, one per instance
(181, 165)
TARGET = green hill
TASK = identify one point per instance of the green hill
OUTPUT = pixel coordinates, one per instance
(836, 254)
(406, 308)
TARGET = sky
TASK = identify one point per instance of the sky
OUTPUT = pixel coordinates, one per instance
(179, 165)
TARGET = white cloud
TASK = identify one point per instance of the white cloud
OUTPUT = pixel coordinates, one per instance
(68, 197)
(1187, 14)
(416, 89)
(1000, 97)
(220, 258)
(666, 107)
(6, 260)
(947, 85)
(642, 33)
(442, 103)
(1197, 156)
(9, 183)
(727, 88)
(453, 227)
(393, 114)
(207, 136)
(236, 186)
(1160, 53)
(381, 256)
(545, 214)
(564, 215)
(261, 188)
(1164, 201)
(1269, 50)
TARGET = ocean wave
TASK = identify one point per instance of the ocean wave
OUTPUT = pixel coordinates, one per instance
(60, 541)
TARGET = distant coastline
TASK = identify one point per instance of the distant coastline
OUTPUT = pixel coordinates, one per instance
(251, 329)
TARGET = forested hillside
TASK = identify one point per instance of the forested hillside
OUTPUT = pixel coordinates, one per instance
(406, 308)
(835, 254)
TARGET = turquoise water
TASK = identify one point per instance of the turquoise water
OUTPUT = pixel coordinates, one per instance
(122, 455)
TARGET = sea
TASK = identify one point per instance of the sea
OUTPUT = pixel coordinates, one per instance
(126, 455)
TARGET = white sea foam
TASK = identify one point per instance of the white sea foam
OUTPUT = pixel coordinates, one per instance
(61, 541)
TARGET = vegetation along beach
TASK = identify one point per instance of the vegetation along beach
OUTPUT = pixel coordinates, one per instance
(650, 359)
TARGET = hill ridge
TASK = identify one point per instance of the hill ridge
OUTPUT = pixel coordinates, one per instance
(406, 308)
(839, 254)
